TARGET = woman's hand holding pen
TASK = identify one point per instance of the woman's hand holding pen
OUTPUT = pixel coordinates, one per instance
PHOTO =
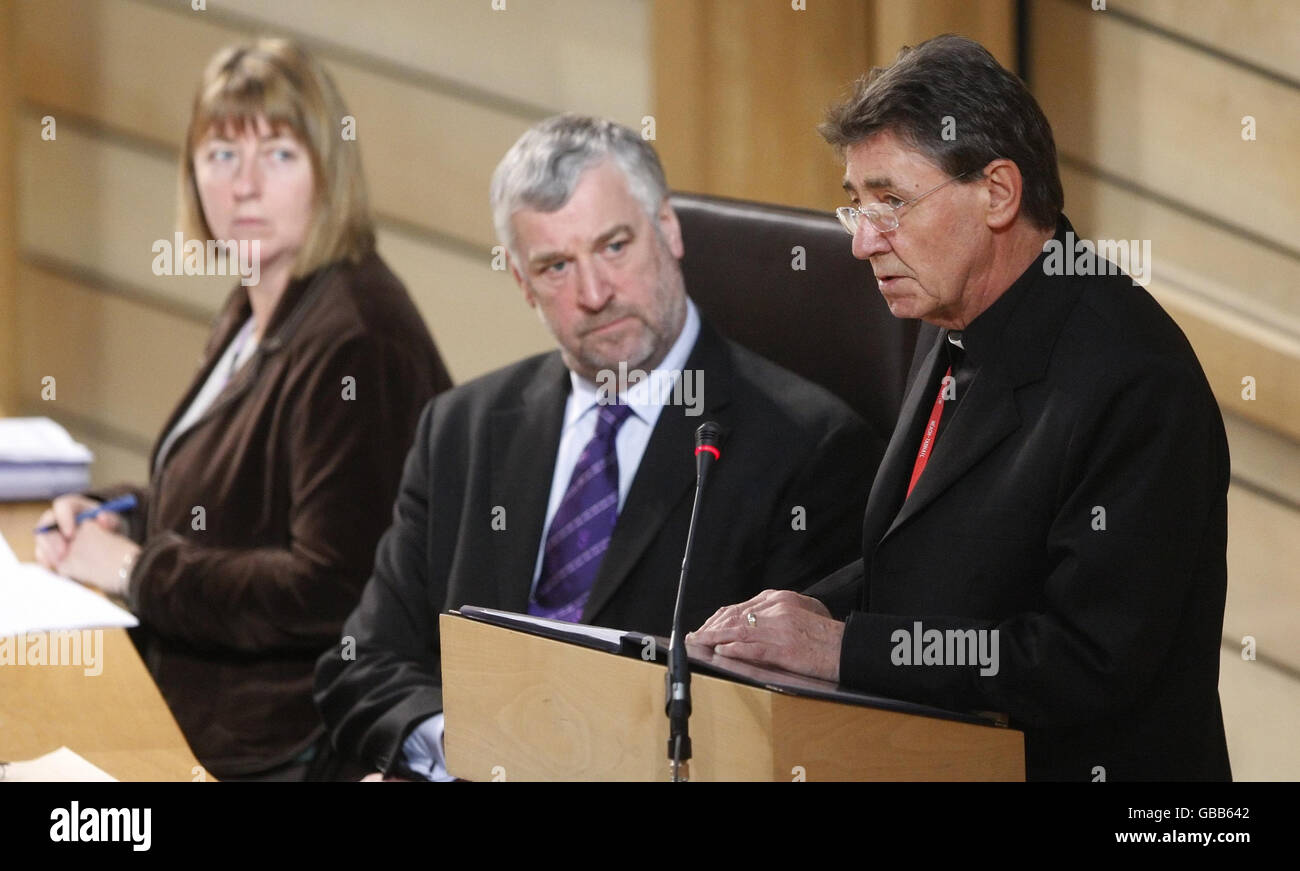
(93, 552)
(99, 558)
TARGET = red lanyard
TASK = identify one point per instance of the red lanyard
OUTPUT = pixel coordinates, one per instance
(927, 441)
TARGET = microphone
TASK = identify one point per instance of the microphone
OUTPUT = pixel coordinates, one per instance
(677, 680)
(708, 437)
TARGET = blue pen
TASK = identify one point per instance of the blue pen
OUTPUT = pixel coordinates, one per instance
(125, 503)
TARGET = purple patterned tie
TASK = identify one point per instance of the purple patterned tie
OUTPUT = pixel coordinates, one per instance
(582, 526)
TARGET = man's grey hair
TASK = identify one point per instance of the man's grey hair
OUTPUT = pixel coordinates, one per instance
(541, 170)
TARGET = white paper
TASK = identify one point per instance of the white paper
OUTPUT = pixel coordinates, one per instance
(58, 766)
(39, 440)
(35, 600)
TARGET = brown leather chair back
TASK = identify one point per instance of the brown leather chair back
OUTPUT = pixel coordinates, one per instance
(783, 282)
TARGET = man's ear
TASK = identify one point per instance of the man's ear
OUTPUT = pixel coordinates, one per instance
(1004, 185)
(671, 229)
(520, 280)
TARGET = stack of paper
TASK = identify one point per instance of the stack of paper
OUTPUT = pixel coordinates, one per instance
(34, 600)
(39, 460)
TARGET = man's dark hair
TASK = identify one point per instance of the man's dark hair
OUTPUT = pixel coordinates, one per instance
(992, 115)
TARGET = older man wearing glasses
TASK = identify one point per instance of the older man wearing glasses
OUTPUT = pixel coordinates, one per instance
(1046, 534)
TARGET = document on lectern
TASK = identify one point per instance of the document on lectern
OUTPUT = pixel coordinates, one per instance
(595, 637)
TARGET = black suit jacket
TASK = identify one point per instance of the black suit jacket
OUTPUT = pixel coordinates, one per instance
(1076, 503)
(490, 445)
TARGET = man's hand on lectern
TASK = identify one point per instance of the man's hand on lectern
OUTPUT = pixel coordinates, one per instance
(778, 628)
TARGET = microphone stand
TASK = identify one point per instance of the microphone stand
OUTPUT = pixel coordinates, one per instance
(677, 680)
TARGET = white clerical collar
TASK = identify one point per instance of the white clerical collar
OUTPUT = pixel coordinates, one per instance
(651, 391)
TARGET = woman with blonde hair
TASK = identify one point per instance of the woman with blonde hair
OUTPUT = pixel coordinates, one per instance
(275, 476)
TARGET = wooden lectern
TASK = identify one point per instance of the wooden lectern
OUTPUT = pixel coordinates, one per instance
(524, 707)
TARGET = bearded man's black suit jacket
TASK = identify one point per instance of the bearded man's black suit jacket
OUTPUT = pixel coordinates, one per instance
(781, 508)
(1076, 503)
